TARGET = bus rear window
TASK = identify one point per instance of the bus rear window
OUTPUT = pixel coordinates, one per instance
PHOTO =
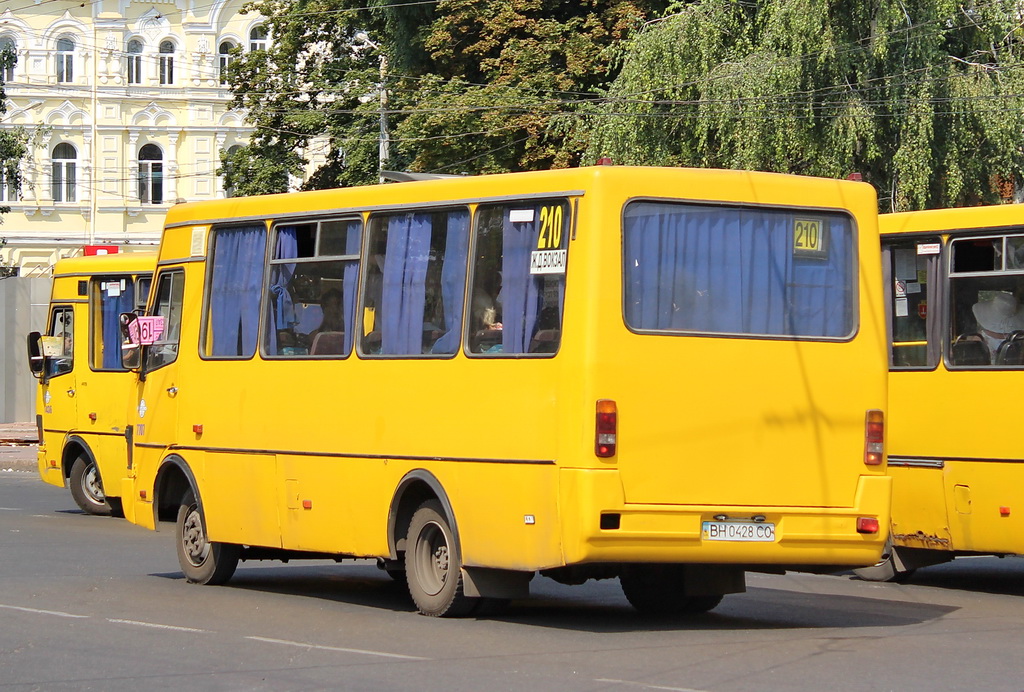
(692, 268)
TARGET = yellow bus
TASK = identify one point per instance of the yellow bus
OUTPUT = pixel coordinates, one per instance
(667, 376)
(954, 279)
(81, 400)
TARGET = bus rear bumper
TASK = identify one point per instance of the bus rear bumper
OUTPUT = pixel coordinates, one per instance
(675, 533)
(49, 473)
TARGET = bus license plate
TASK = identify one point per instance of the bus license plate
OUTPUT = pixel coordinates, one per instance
(738, 531)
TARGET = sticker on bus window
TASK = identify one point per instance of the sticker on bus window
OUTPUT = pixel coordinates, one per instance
(810, 238)
(53, 346)
(928, 248)
(547, 262)
(150, 329)
(520, 216)
(113, 288)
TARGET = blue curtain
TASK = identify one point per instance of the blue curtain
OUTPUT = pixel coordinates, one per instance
(111, 308)
(453, 281)
(349, 278)
(282, 315)
(520, 290)
(403, 296)
(733, 271)
(238, 258)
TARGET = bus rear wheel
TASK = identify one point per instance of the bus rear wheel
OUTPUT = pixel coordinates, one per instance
(87, 487)
(433, 565)
(658, 590)
(202, 561)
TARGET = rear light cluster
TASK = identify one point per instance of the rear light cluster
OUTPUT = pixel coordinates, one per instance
(606, 431)
(874, 438)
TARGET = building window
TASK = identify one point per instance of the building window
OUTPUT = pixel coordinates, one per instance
(229, 190)
(65, 60)
(7, 71)
(151, 175)
(135, 62)
(226, 58)
(63, 179)
(166, 62)
(258, 38)
(8, 188)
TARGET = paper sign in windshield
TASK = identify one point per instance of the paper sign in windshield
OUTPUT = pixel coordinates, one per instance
(146, 330)
(547, 262)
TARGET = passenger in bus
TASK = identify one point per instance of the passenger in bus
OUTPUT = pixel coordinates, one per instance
(328, 337)
(997, 318)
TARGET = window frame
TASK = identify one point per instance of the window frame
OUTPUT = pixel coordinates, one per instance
(148, 178)
(266, 320)
(176, 275)
(568, 231)
(133, 62)
(955, 237)
(64, 67)
(64, 187)
(51, 370)
(935, 298)
(853, 268)
(165, 61)
(205, 345)
(8, 41)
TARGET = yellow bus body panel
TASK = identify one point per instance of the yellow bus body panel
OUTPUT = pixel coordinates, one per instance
(308, 455)
(963, 420)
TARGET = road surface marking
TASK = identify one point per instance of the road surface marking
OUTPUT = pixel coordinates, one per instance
(44, 612)
(154, 625)
(337, 648)
(646, 686)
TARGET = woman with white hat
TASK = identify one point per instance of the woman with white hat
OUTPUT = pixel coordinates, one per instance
(997, 318)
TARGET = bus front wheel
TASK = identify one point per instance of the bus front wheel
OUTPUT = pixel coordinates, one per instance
(433, 565)
(658, 590)
(87, 487)
(202, 561)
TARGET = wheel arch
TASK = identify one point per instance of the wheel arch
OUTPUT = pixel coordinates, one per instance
(173, 479)
(415, 488)
(75, 446)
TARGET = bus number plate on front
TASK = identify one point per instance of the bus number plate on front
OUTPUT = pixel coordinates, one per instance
(738, 531)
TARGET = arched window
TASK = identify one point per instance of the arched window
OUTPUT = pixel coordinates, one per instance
(7, 44)
(134, 61)
(258, 38)
(62, 182)
(151, 174)
(167, 62)
(226, 59)
(228, 167)
(65, 60)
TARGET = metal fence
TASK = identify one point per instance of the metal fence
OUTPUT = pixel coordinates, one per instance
(23, 304)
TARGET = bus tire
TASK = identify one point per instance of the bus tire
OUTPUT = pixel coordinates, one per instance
(202, 561)
(658, 590)
(433, 565)
(886, 569)
(87, 487)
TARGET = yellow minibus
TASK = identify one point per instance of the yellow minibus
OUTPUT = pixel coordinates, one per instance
(667, 376)
(81, 400)
(954, 279)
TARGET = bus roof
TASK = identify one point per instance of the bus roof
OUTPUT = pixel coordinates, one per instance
(117, 263)
(961, 218)
(678, 183)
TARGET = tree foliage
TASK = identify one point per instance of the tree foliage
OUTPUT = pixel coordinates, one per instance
(470, 86)
(922, 97)
(13, 141)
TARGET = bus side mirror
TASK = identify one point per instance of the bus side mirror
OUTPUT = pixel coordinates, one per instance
(131, 341)
(36, 360)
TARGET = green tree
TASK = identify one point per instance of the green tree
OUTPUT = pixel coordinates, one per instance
(13, 141)
(918, 96)
(470, 86)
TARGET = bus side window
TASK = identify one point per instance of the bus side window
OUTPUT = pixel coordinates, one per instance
(110, 296)
(518, 289)
(415, 283)
(62, 326)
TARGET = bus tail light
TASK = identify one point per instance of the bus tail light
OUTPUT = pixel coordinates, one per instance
(607, 425)
(874, 438)
(867, 524)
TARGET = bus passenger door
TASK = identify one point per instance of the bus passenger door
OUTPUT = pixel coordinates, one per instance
(156, 407)
(59, 388)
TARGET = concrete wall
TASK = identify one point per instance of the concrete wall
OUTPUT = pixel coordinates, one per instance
(23, 303)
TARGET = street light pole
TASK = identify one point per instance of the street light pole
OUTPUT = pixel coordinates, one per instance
(384, 142)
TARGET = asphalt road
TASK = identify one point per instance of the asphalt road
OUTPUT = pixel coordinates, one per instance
(93, 603)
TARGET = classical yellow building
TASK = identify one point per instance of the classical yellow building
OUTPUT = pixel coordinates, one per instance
(128, 112)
